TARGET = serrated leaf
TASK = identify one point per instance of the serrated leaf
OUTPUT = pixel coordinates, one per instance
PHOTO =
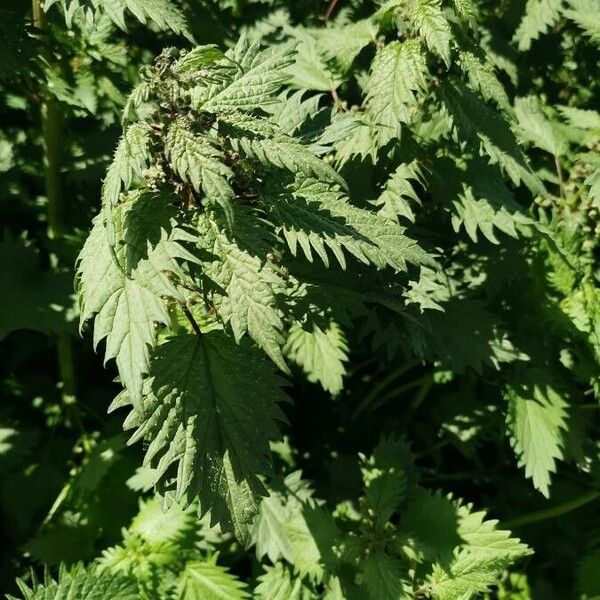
(366, 235)
(286, 153)
(381, 576)
(586, 15)
(535, 127)
(201, 410)
(197, 161)
(474, 120)
(249, 303)
(476, 565)
(209, 581)
(343, 43)
(399, 194)
(80, 583)
(398, 72)
(162, 13)
(130, 159)
(276, 509)
(255, 83)
(156, 525)
(198, 58)
(278, 583)
(536, 420)
(311, 533)
(124, 309)
(479, 214)
(482, 78)
(428, 18)
(320, 352)
(539, 16)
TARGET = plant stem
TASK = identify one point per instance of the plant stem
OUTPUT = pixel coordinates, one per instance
(330, 9)
(559, 172)
(190, 318)
(553, 511)
(53, 140)
(379, 387)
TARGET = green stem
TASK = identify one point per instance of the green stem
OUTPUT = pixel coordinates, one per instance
(553, 511)
(426, 384)
(396, 392)
(559, 173)
(53, 140)
(379, 387)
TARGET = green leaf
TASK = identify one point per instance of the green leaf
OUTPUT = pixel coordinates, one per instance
(467, 10)
(536, 419)
(477, 564)
(292, 525)
(342, 44)
(162, 13)
(130, 159)
(248, 300)
(209, 411)
(124, 309)
(353, 135)
(428, 18)
(398, 72)
(366, 235)
(311, 533)
(294, 110)
(286, 153)
(278, 583)
(282, 503)
(254, 84)
(475, 120)
(156, 525)
(426, 291)
(582, 118)
(539, 16)
(311, 70)
(481, 214)
(399, 194)
(197, 161)
(385, 481)
(381, 575)
(535, 127)
(432, 520)
(209, 581)
(320, 352)
(586, 15)
(198, 58)
(482, 79)
(80, 583)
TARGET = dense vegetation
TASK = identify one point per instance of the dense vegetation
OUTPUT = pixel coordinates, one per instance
(335, 270)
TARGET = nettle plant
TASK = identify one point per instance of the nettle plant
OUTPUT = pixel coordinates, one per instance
(254, 222)
(208, 210)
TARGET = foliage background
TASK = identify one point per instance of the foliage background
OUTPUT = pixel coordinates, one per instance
(509, 289)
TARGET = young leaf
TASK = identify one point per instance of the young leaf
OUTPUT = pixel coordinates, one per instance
(476, 565)
(250, 290)
(81, 583)
(209, 581)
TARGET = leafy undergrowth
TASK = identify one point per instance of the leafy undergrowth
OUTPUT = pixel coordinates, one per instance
(345, 267)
